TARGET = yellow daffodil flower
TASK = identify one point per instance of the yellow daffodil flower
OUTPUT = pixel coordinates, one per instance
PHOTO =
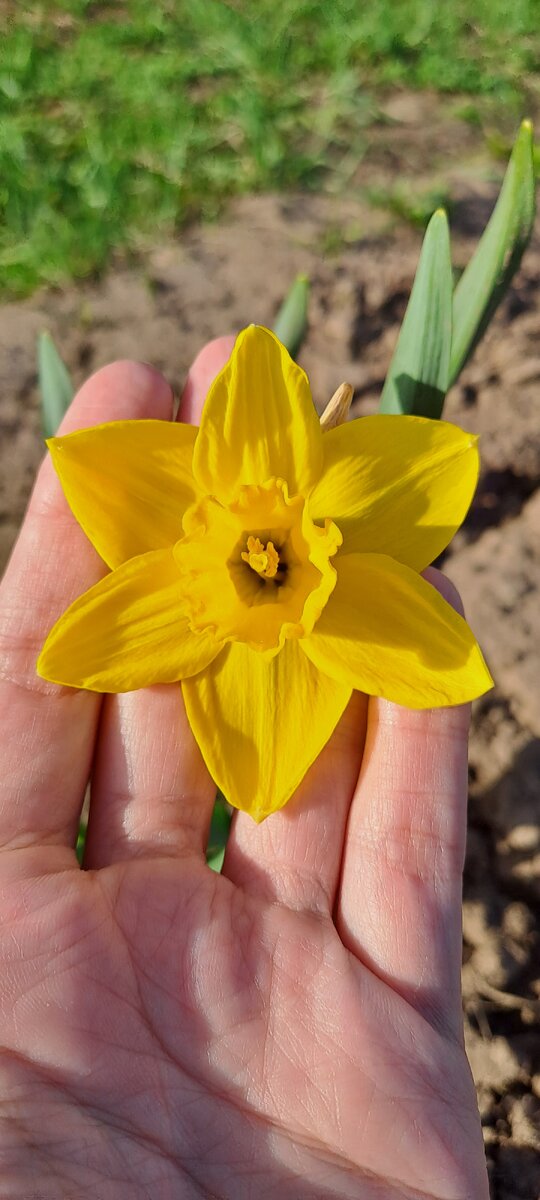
(269, 565)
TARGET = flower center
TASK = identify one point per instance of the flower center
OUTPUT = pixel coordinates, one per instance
(262, 559)
(256, 570)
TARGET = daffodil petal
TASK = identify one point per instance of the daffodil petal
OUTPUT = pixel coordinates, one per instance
(126, 632)
(260, 724)
(258, 421)
(388, 632)
(396, 485)
(128, 483)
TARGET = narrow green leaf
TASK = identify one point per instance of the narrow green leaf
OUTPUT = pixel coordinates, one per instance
(55, 384)
(215, 860)
(498, 254)
(291, 322)
(81, 841)
(417, 381)
(219, 832)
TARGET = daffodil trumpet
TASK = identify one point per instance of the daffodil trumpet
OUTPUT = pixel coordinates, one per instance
(270, 565)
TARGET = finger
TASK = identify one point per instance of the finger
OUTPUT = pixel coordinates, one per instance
(399, 909)
(151, 792)
(294, 856)
(48, 731)
(208, 363)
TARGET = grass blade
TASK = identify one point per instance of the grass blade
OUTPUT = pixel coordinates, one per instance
(55, 384)
(291, 322)
(417, 380)
(498, 254)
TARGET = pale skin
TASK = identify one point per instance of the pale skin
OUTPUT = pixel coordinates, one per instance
(291, 1028)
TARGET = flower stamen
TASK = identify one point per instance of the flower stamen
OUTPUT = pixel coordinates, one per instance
(262, 559)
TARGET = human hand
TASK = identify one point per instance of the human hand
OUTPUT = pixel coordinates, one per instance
(291, 1028)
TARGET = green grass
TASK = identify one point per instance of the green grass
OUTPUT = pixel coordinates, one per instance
(121, 122)
(410, 204)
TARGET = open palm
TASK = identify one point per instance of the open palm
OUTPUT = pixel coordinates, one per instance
(291, 1028)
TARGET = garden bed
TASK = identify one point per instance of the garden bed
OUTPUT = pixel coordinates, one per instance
(217, 279)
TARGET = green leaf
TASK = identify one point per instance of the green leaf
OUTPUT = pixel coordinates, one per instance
(417, 381)
(498, 254)
(215, 861)
(291, 322)
(219, 832)
(81, 842)
(55, 384)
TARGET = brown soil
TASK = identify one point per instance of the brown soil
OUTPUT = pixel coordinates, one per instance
(221, 277)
